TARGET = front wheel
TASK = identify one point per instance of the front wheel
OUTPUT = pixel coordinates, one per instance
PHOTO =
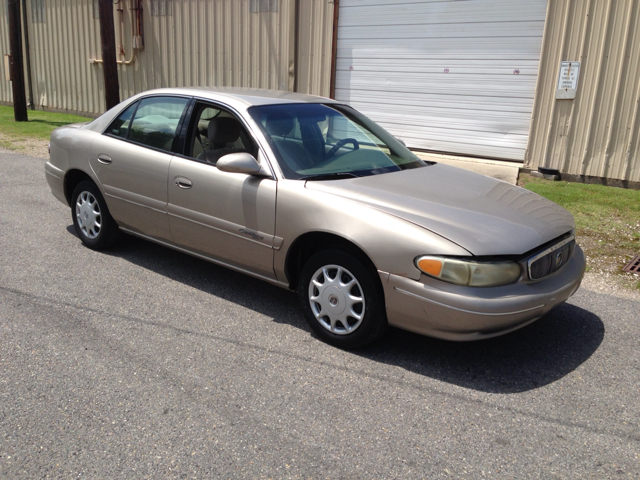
(91, 218)
(342, 300)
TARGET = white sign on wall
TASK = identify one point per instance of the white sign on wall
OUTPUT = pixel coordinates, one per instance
(568, 80)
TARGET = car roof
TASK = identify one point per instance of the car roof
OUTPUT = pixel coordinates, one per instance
(236, 97)
(248, 97)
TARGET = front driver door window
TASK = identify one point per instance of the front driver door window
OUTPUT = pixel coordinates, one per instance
(229, 217)
(216, 133)
(131, 160)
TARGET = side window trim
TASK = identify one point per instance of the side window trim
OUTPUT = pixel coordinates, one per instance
(183, 128)
(133, 115)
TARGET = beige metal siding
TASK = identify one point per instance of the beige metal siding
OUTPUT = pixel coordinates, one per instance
(596, 134)
(314, 47)
(217, 42)
(6, 94)
(60, 49)
(201, 42)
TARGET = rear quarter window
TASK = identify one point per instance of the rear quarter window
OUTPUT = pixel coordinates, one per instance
(120, 126)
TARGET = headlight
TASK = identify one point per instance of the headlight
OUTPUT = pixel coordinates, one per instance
(469, 273)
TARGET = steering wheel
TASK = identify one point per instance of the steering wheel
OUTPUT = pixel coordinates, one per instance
(341, 144)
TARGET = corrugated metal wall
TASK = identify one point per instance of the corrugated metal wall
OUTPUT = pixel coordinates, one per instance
(597, 133)
(200, 42)
(6, 93)
(60, 50)
(314, 47)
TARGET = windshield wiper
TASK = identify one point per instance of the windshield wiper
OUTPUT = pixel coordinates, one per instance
(329, 176)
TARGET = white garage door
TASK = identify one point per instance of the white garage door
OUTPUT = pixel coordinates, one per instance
(453, 76)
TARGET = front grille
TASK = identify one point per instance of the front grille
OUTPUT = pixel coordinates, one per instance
(552, 259)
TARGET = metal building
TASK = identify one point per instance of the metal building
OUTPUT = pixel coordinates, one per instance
(474, 77)
(250, 43)
(596, 135)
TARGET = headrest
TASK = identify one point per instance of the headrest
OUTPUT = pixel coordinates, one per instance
(223, 130)
(278, 123)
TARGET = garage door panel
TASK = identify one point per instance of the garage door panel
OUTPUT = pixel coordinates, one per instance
(418, 116)
(491, 30)
(449, 76)
(472, 86)
(469, 47)
(422, 100)
(459, 67)
(476, 124)
(472, 142)
(436, 12)
(507, 145)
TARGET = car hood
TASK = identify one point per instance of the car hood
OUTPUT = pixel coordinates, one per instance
(481, 214)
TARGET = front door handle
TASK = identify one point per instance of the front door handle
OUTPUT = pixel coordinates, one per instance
(104, 159)
(182, 182)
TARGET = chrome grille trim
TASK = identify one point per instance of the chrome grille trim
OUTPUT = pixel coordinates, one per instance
(549, 250)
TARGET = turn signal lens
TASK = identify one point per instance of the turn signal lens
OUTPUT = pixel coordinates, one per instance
(469, 273)
(430, 266)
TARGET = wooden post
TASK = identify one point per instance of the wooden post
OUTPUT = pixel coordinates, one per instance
(16, 66)
(334, 49)
(109, 61)
(25, 27)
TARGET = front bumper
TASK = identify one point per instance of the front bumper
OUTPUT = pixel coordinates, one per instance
(438, 309)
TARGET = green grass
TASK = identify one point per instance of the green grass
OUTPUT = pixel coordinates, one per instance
(595, 207)
(607, 219)
(39, 126)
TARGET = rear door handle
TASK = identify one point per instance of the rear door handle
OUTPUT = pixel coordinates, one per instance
(104, 159)
(182, 182)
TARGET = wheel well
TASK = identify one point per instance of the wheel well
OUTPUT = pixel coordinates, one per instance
(71, 181)
(310, 243)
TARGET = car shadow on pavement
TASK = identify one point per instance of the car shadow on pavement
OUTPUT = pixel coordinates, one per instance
(526, 359)
(244, 290)
(529, 358)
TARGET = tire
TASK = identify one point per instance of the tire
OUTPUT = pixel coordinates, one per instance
(342, 299)
(91, 218)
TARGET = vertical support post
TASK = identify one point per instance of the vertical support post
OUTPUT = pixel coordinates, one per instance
(109, 61)
(16, 65)
(334, 49)
(27, 53)
(296, 49)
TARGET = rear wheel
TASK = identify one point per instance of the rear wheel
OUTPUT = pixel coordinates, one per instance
(341, 299)
(91, 218)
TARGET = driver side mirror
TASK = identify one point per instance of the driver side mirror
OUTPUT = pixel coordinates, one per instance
(240, 163)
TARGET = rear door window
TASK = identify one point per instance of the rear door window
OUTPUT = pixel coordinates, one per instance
(156, 121)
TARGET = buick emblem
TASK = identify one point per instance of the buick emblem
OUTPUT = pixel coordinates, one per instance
(559, 258)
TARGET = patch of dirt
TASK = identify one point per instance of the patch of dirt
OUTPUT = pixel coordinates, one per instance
(605, 264)
(611, 284)
(607, 253)
(33, 148)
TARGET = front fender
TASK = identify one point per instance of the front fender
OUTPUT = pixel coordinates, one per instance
(391, 243)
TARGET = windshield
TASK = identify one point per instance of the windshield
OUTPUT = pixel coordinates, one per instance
(312, 140)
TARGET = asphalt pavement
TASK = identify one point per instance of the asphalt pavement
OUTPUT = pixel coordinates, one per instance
(142, 362)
